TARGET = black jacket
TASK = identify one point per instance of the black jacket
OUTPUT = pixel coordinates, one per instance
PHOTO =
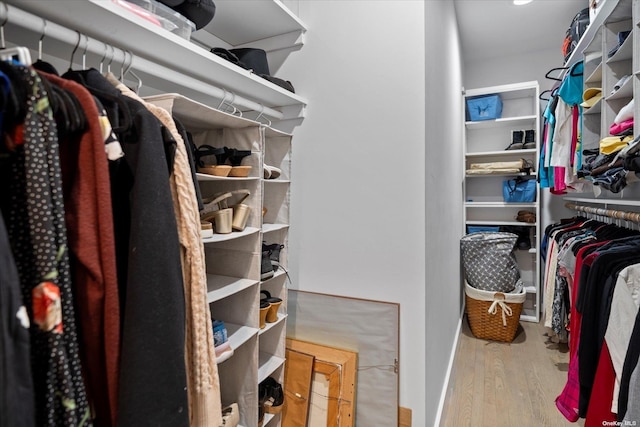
(153, 385)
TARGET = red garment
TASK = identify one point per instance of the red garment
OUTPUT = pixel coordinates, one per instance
(89, 220)
(568, 401)
(599, 409)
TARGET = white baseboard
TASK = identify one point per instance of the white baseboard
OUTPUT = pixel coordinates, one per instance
(443, 394)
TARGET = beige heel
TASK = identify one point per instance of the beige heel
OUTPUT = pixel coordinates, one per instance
(241, 211)
(264, 309)
(223, 217)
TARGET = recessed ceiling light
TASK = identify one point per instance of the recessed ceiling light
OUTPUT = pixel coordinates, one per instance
(521, 2)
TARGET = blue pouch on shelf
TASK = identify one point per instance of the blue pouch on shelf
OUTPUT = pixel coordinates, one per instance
(486, 107)
(482, 228)
(519, 190)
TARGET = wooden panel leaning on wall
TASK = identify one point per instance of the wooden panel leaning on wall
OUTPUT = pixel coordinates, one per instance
(333, 384)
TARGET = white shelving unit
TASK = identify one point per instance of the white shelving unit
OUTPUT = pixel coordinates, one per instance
(233, 260)
(165, 61)
(101, 30)
(485, 141)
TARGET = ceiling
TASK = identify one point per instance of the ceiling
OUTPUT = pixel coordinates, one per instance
(491, 28)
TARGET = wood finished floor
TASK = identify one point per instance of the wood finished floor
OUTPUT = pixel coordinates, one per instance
(507, 384)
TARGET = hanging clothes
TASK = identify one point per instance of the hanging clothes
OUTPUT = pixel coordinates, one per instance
(92, 248)
(149, 271)
(37, 231)
(202, 371)
(17, 405)
(601, 266)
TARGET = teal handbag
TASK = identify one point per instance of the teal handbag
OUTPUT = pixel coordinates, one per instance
(519, 190)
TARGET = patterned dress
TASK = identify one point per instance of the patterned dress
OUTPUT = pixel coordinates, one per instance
(38, 235)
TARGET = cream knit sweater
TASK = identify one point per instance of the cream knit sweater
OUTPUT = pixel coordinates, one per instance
(205, 408)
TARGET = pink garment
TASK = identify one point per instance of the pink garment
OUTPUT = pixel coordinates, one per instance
(618, 128)
(568, 401)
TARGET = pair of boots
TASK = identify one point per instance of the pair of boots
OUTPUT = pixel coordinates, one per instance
(522, 139)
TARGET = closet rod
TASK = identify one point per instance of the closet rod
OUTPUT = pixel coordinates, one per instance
(611, 213)
(151, 70)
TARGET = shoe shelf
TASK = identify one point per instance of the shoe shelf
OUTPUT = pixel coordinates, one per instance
(499, 205)
(501, 153)
(207, 177)
(279, 274)
(595, 78)
(504, 122)
(487, 141)
(220, 287)
(515, 223)
(596, 109)
(503, 174)
(268, 228)
(269, 326)
(625, 52)
(625, 92)
(217, 237)
(276, 181)
(234, 259)
(239, 335)
(268, 364)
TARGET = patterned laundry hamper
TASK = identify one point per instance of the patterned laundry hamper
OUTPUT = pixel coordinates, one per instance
(492, 274)
(489, 261)
(494, 315)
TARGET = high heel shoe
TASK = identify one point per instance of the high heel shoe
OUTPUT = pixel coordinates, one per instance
(219, 169)
(241, 211)
(223, 217)
(235, 158)
(274, 305)
(264, 310)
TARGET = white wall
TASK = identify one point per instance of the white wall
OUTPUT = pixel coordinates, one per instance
(358, 192)
(513, 69)
(444, 175)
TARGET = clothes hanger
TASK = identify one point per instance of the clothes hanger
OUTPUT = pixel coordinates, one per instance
(16, 100)
(573, 69)
(129, 70)
(106, 49)
(555, 69)
(542, 98)
(261, 115)
(40, 64)
(19, 54)
(120, 122)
